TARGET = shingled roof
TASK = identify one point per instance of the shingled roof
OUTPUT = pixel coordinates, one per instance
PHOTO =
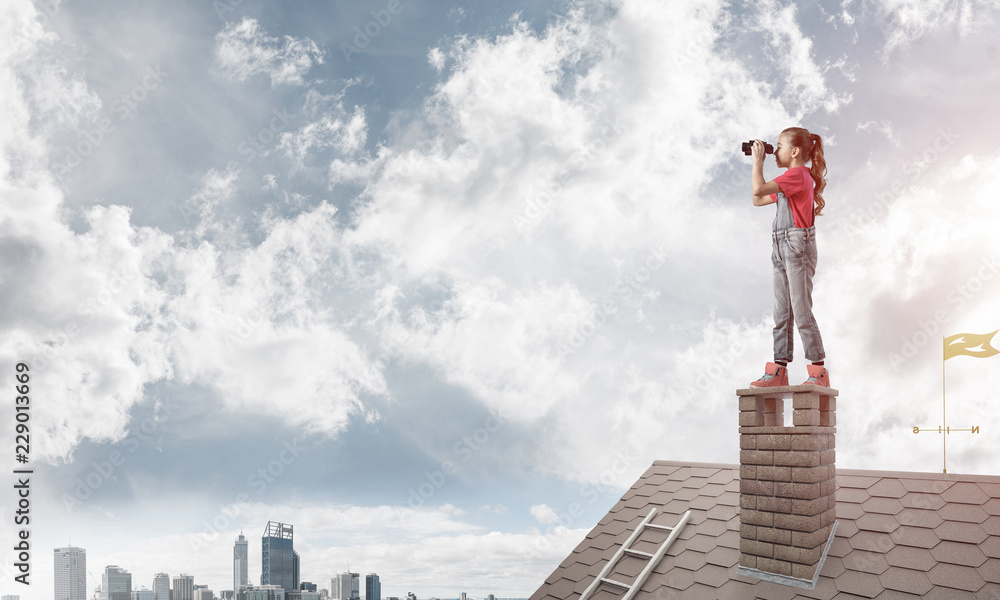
(899, 535)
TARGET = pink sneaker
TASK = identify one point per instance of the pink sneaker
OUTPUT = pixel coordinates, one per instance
(818, 375)
(775, 375)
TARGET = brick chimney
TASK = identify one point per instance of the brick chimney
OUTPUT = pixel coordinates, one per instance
(788, 484)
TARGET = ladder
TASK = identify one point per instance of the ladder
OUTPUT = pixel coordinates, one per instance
(626, 548)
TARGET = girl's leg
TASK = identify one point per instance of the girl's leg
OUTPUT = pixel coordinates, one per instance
(800, 266)
(783, 309)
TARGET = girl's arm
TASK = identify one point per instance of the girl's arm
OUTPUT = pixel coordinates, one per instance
(761, 191)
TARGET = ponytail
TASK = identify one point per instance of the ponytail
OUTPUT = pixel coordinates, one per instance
(812, 145)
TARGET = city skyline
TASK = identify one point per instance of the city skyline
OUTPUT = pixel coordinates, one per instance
(436, 282)
(71, 564)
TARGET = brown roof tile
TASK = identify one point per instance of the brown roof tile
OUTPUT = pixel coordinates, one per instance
(865, 585)
(872, 541)
(961, 532)
(906, 580)
(920, 559)
(887, 488)
(922, 501)
(991, 547)
(886, 506)
(992, 525)
(957, 553)
(970, 513)
(965, 492)
(915, 536)
(900, 535)
(866, 562)
(876, 522)
(915, 517)
(990, 570)
(956, 576)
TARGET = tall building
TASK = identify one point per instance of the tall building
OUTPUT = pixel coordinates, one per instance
(355, 586)
(204, 594)
(278, 556)
(241, 575)
(161, 586)
(373, 588)
(70, 573)
(340, 587)
(116, 584)
(143, 594)
(183, 587)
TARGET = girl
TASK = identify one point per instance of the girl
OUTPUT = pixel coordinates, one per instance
(798, 193)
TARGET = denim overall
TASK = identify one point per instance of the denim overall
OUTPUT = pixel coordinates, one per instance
(793, 255)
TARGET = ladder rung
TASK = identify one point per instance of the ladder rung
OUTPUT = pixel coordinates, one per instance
(655, 526)
(639, 553)
(613, 582)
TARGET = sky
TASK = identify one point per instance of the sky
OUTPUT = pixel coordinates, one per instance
(435, 282)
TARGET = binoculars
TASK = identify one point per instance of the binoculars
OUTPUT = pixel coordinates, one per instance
(748, 148)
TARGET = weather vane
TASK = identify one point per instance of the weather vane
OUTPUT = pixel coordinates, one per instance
(968, 344)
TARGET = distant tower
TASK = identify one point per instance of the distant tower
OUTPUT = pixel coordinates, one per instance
(355, 586)
(373, 588)
(340, 587)
(161, 586)
(183, 587)
(116, 584)
(70, 573)
(241, 575)
(278, 556)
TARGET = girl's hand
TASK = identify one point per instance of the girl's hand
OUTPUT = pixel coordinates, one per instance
(758, 152)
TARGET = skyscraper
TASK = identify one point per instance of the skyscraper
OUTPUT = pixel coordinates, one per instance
(116, 584)
(161, 586)
(70, 573)
(183, 587)
(355, 586)
(373, 588)
(241, 576)
(340, 587)
(277, 556)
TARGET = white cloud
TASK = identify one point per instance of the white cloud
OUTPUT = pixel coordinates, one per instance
(244, 50)
(906, 21)
(556, 165)
(343, 132)
(804, 81)
(544, 513)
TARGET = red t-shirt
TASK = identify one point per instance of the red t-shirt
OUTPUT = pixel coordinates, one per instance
(797, 185)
